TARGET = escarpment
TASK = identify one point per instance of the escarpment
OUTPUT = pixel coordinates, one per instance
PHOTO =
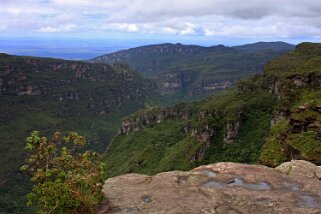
(151, 117)
(104, 87)
(50, 95)
(296, 122)
(196, 125)
(269, 118)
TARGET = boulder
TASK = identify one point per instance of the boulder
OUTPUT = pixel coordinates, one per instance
(300, 168)
(218, 188)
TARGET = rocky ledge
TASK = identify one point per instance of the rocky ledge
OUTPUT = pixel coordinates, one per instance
(231, 188)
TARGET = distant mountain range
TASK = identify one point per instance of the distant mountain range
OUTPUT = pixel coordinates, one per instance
(189, 71)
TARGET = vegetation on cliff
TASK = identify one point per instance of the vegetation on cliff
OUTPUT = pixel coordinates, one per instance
(51, 95)
(279, 109)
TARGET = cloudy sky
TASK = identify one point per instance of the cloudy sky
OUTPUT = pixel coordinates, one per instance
(287, 20)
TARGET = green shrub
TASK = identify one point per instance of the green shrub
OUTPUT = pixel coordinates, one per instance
(307, 143)
(65, 180)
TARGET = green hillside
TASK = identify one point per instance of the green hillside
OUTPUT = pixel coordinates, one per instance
(50, 95)
(268, 118)
(187, 72)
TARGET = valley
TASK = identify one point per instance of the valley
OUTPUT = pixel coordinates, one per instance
(268, 118)
(156, 119)
(56, 95)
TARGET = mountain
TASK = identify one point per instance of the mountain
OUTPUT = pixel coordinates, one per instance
(185, 72)
(262, 46)
(269, 118)
(49, 95)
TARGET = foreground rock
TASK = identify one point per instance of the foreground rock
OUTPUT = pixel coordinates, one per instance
(219, 188)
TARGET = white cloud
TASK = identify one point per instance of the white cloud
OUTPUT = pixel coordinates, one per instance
(169, 30)
(50, 29)
(122, 27)
(231, 18)
(14, 11)
(190, 29)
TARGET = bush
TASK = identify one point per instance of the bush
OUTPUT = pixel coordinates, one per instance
(66, 181)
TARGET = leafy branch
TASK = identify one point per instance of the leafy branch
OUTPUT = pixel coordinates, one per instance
(66, 181)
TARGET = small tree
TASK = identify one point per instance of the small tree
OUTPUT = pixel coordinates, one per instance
(66, 181)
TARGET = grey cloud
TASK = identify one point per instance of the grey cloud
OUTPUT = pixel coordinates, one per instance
(278, 18)
(146, 10)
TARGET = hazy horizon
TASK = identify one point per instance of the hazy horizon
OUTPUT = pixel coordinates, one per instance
(82, 49)
(95, 27)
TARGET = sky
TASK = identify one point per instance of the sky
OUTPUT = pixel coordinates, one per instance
(218, 21)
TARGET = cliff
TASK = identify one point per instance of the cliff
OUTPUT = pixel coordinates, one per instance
(269, 118)
(293, 187)
(49, 95)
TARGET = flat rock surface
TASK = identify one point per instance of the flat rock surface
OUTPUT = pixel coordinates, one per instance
(218, 188)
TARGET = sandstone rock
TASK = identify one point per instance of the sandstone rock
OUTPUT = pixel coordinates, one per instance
(300, 81)
(231, 131)
(219, 188)
(277, 117)
(300, 168)
(212, 86)
(136, 123)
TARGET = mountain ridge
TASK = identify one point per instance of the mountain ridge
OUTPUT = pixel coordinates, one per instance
(187, 72)
(178, 46)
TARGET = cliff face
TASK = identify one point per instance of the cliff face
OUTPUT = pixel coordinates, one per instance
(189, 71)
(50, 95)
(189, 134)
(70, 80)
(233, 125)
(150, 118)
(203, 132)
(192, 82)
(293, 187)
(296, 122)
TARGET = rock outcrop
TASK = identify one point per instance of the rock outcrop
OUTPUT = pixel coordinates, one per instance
(300, 168)
(202, 134)
(231, 132)
(156, 116)
(218, 188)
